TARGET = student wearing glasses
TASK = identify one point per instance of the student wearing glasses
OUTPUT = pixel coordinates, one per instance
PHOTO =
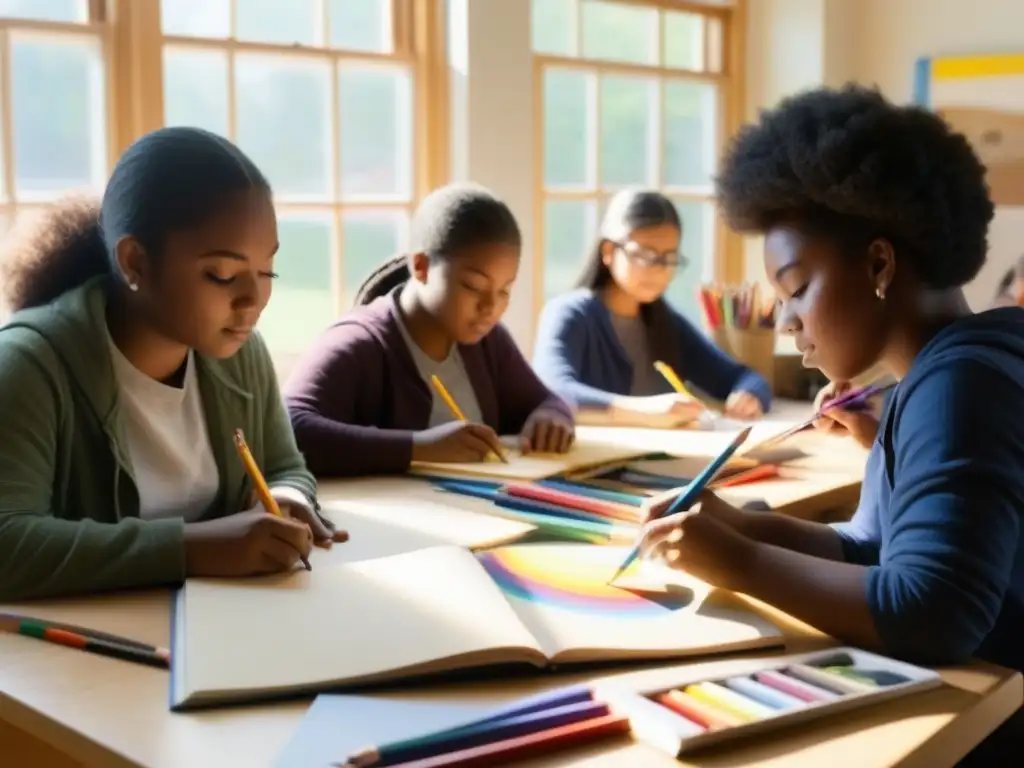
(596, 346)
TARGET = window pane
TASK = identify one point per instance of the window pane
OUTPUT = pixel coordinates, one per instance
(196, 18)
(196, 88)
(699, 250)
(684, 40)
(46, 10)
(619, 32)
(570, 231)
(302, 304)
(369, 238)
(278, 21)
(376, 132)
(568, 128)
(58, 106)
(361, 25)
(553, 26)
(628, 131)
(283, 117)
(715, 43)
(691, 134)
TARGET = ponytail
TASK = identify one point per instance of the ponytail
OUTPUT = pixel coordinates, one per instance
(388, 276)
(48, 254)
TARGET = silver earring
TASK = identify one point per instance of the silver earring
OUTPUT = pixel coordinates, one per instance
(133, 286)
(880, 293)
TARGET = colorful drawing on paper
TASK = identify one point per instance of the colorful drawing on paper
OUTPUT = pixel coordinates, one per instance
(982, 97)
(575, 579)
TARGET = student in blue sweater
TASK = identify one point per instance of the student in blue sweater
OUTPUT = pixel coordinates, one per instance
(597, 345)
(875, 216)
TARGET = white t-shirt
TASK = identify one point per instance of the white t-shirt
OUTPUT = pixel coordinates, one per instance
(174, 466)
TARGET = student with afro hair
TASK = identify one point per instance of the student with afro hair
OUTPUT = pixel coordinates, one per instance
(875, 216)
(127, 366)
(362, 400)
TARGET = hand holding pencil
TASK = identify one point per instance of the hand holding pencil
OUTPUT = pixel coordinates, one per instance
(856, 419)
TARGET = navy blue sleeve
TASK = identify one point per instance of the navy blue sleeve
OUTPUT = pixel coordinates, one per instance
(558, 355)
(861, 535)
(713, 371)
(954, 515)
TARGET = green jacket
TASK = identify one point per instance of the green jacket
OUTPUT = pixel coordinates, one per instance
(69, 507)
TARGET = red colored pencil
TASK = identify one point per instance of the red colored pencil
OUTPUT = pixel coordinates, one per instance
(599, 507)
(543, 743)
(763, 472)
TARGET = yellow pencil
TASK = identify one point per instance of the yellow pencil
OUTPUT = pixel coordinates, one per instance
(454, 407)
(262, 490)
(449, 401)
(674, 381)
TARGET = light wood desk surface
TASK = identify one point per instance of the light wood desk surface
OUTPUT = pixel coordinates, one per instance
(109, 713)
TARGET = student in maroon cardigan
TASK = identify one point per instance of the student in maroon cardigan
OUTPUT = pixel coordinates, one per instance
(360, 400)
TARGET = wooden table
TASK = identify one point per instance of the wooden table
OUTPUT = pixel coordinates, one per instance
(56, 702)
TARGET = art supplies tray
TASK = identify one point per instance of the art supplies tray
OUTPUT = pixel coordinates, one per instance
(693, 712)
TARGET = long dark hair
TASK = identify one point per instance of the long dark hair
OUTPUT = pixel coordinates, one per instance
(449, 220)
(170, 180)
(628, 210)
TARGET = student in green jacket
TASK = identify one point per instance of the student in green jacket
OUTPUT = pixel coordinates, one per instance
(125, 370)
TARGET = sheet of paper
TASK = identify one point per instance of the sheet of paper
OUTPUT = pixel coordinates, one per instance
(562, 594)
(587, 451)
(346, 622)
(397, 515)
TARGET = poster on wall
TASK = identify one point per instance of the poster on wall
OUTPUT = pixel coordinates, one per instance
(983, 97)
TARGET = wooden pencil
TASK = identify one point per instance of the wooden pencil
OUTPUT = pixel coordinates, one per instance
(125, 650)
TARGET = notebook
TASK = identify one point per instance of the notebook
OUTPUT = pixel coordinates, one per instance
(584, 454)
(441, 609)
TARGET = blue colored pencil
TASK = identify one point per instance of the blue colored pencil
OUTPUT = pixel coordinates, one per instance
(476, 734)
(689, 496)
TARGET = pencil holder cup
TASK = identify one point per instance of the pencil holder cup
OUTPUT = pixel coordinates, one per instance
(720, 336)
(754, 347)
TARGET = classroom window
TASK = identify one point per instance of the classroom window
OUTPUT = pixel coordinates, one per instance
(629, 94)
(320, 93)
(54, 136)
(329, 97)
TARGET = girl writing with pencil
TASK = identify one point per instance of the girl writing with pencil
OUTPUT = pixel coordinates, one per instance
(422, 370)
(869, 262)
(127, 366)
(597, 346)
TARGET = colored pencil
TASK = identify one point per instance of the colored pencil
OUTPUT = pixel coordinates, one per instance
(262, 490)
(698, 711)
(605, 509)
(454, 407)
(126, 650)
(478, 734)
(851, 400)
(739, 307)
(793, 687)
(688, 497)
(531, 745)
(732, 702)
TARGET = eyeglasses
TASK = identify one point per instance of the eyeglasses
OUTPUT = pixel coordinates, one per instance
(643, 256)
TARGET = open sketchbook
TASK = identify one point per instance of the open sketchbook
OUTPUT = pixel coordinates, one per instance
(584, 454)
(441, 609)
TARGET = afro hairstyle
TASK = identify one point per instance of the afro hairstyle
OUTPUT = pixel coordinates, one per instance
(847, 162)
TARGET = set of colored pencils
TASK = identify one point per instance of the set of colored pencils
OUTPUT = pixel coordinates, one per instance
(536, 726)
(736, 307)
(86, 640)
